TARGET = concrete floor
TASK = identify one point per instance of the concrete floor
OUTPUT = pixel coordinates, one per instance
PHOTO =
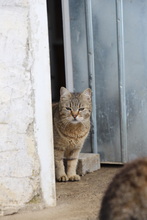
(75, 200)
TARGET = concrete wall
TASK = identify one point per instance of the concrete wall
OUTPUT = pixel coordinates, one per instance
(24, 171)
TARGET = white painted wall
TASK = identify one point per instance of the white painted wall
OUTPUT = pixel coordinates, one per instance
(26, 145)
(43, 110)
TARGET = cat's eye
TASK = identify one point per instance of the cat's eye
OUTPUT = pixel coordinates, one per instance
(67, 108)
(81, 109)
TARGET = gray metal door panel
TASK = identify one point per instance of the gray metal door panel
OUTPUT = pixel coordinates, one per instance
(106, 77)
(135, 36)
(120, 55)
(79, 45)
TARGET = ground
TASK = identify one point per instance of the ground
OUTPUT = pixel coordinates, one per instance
(75, 200)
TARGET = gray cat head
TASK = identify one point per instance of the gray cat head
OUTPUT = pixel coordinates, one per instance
(75, 107)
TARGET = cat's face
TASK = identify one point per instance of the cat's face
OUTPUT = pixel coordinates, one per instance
(75, 107)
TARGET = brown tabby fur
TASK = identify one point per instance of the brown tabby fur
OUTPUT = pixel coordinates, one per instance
(71, 123)
(126, 196)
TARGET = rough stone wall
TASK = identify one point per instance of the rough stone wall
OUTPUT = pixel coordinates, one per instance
(19, 164)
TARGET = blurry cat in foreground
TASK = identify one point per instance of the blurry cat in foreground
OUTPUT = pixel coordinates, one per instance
(126, 196)
(71, 123)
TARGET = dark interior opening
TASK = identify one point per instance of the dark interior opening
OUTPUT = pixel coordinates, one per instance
(56, 47)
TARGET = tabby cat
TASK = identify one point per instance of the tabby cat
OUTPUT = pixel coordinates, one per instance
(126, 196)
(71, 123)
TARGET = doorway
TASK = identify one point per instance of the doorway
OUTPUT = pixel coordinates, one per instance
(55, 25)
(61, 54)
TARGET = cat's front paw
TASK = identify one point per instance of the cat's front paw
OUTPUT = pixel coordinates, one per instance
(74, 178)
(62, 178)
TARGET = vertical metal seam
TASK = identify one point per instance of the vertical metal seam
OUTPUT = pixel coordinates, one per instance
(91, 70)
(121, 74)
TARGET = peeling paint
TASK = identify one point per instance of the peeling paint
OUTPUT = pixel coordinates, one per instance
(19, 164)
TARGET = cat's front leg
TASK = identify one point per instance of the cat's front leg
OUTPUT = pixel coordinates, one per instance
(72, 161)
(59, 166)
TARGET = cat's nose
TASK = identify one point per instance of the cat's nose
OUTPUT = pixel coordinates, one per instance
(74, 114)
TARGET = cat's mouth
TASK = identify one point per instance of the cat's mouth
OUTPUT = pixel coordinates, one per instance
(74, 120)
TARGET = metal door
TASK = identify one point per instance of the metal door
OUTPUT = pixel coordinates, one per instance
(109, 54)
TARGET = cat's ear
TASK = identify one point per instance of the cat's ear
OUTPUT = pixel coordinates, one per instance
(87, 93)
(64, 93)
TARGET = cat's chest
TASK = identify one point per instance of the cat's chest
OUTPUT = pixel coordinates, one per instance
(73, 142)
(71, 131)
(68, 140)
